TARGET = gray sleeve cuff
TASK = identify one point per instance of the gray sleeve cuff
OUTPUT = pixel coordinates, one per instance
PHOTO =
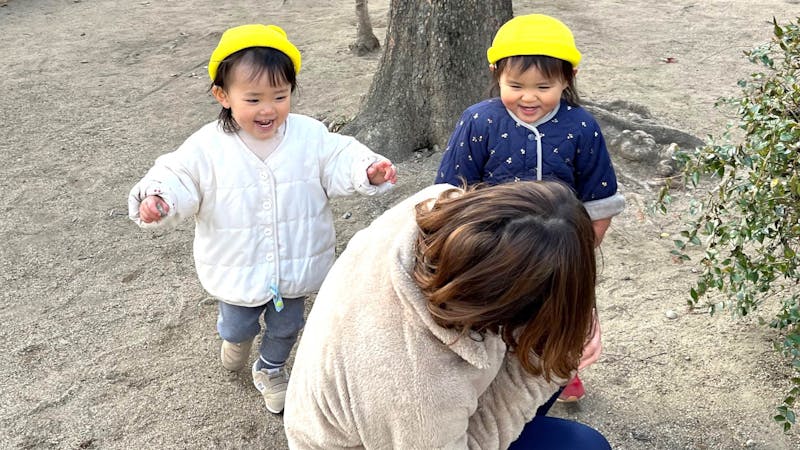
(605, 207)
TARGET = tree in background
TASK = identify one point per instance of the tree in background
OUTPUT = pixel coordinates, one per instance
(366, 41)
(433, 66)
(749, 226)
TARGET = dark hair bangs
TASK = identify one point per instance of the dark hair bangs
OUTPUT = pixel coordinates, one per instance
(551, 68)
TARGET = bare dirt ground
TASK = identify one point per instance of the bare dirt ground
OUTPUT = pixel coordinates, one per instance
(109, 341)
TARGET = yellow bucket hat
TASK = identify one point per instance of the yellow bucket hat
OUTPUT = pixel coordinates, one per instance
(254, 35)
(534, 34)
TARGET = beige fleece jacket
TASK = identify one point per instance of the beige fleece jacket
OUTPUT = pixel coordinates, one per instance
(373, 370)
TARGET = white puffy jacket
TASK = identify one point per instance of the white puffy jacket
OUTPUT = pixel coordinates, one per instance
(259, 223)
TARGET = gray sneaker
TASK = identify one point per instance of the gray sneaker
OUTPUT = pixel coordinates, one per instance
(234, 355)
(272, 387)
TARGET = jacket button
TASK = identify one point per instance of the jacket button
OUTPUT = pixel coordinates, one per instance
(531, 137)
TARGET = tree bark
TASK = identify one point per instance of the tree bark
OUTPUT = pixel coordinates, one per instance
(433, 66)
(366, 41)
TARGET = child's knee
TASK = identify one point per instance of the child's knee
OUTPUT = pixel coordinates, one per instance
(233, 332)
(238, 323)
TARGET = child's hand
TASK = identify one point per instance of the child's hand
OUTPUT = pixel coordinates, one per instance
(382, 171)
(152, 209)
(593, 346)
(600, 227)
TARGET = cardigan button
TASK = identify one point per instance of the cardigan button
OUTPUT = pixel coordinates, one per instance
(531, 137)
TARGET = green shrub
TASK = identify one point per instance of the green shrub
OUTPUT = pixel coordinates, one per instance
(748, 228)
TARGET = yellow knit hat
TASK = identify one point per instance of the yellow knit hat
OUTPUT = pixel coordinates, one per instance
(534, 34)
(255, 35)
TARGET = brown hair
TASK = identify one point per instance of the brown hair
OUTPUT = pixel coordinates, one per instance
(551, 68)
(515, 259)
(263, 61)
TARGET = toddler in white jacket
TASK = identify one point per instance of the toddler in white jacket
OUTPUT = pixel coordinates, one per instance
(257, 182)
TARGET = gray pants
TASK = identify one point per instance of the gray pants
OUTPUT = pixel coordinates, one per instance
(241, 323)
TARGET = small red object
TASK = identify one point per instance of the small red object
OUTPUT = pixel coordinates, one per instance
(573, 391)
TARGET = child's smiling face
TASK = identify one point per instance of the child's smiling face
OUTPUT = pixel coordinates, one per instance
(257, 106)
(529, 95)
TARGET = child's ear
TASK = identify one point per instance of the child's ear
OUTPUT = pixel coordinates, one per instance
(575, 72)
(221, 96)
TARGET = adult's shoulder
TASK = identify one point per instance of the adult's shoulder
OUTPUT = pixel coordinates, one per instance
(404, 211)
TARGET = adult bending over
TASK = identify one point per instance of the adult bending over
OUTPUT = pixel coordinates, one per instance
(448, 322)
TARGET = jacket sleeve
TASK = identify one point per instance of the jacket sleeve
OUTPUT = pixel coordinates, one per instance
(507, 405)
(344, 162)
(465, 155)
(595, 180)
(175, 178)
(594, 174)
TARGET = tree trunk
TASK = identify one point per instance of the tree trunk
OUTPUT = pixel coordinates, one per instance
(365, 39)
(433, 66)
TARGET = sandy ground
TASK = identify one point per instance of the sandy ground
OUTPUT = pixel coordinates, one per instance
(109, 340)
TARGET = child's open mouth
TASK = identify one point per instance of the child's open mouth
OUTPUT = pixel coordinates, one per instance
(264, 123)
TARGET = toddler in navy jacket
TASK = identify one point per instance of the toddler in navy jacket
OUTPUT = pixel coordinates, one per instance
(536, 130)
